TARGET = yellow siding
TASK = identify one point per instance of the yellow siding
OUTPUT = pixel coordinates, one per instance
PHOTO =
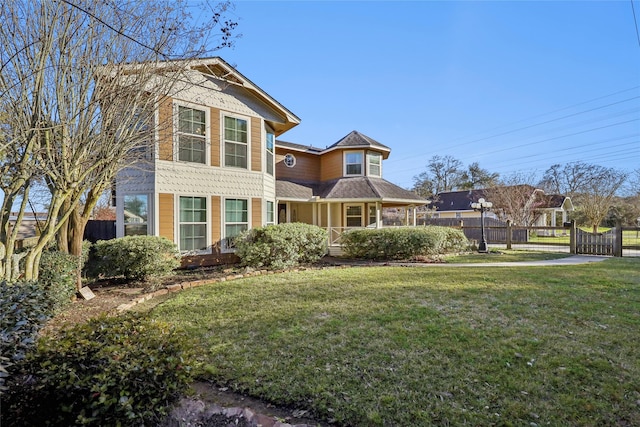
(307, 167)
(256, 212)
(215, 136)
(331, 166)
(256, 144)
(165, 132)
(215, 222)
(166, 210)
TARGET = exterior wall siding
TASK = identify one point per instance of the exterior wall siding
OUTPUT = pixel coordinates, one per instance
(167, 216)
(216, 223)
(216, 136)
(165, 131)
(256, 144)
(331, 166)
(256, 212)
(307, 167)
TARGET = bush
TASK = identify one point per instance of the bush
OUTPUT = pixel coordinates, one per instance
(25, 307)
(402, 243)
(136, 257)
(57, 277)
(124, 370)
(281, 246)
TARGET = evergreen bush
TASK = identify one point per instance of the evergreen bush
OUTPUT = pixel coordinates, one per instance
(281, 246)
(401, 243)
(110, 371)
(25, 308)
(135, 257)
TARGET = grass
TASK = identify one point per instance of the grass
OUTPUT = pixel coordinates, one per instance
(398, 346)
(629, 238)
(503, 255)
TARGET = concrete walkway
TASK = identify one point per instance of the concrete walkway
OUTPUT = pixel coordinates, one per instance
(572, 260)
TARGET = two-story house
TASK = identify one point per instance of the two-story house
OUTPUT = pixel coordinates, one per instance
(217, 170)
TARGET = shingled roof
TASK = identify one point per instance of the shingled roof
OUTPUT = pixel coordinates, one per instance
(349, 188)
(356, 139)
(457, 200)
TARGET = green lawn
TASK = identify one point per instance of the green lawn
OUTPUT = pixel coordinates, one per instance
(503, 255)
(398, 346)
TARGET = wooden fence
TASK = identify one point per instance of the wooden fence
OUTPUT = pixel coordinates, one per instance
(568, 237)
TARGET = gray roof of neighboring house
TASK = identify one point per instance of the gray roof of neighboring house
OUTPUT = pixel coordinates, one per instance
(361, 187)
(457, 200)
(461, 200)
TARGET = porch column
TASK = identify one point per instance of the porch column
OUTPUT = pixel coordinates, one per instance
(378, 215)
(406, 216)
(415, 215)
(329, 222)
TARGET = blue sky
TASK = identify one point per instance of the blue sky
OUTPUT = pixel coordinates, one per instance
(516, 86)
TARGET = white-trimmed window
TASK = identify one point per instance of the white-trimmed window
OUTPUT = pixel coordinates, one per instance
(269, 151)
(271, 213)
(192, 135)
(135, 214)
(353, 215)
(236, 141)
(374, 164)
(353, 163)
(192, 223)
(236, 220)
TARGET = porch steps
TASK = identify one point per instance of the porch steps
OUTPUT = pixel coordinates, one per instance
(335, 251)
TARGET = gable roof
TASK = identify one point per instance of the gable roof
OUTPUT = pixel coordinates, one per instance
(215, 67)
(219, 68)
(360, 188)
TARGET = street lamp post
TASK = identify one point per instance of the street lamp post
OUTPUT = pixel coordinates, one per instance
(482, 206)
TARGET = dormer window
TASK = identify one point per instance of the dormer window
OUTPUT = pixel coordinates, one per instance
(374, 164)
(353, 163)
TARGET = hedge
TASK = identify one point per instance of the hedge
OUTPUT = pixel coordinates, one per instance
(282, 245)
(402, 243)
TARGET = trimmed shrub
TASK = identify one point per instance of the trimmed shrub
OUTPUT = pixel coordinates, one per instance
(124, 370)
(282, 245)
(136, 257)
(25, 308)
(401, 243)
(57, 277)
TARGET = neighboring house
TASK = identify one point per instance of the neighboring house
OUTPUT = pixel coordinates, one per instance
(547, 209)
(457, 204)
(213, 172)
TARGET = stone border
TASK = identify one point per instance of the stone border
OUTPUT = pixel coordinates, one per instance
(177, 287)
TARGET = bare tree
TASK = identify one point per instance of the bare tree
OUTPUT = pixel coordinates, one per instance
(80, 81)
(591, 187)
(515, 199)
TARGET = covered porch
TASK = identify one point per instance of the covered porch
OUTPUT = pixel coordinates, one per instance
(344, 204)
